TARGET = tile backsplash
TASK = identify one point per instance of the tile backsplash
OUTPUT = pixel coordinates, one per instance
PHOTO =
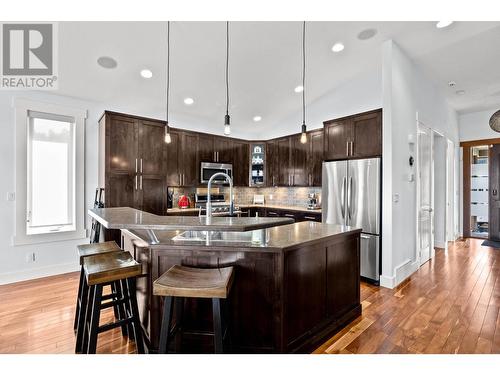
(288, 196)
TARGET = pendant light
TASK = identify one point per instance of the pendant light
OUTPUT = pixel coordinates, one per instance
(303, 135)
(227, 120)
(168, 139)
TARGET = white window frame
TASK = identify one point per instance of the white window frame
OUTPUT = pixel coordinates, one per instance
(22, 107)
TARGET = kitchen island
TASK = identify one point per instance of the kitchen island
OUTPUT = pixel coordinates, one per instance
(294, 287)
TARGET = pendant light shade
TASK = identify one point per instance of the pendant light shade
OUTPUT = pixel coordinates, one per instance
(303, 131)
(227, 119)
(168, 139)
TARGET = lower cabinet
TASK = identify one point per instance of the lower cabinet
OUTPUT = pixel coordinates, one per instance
(276, 212)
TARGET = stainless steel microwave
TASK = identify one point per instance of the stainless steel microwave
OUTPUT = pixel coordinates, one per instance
(209, 169)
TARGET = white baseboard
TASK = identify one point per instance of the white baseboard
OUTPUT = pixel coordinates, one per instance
(401, 273)
(13, 277)
(387, 281)
(439, 244)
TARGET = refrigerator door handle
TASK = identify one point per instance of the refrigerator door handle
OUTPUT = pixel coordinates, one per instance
(342, 198)
(349, 199)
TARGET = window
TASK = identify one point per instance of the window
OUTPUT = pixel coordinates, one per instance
(50, 172)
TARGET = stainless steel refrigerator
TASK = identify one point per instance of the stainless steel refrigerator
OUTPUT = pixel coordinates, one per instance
(351, 196)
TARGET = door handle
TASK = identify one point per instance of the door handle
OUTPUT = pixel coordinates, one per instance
(342, 197)
(290, 215)
(349, 199)
(365, 237)
(352, 148)
(135, 182)
(494, 192)
(140, 182)
(141, 165)
(347, 148)
(135, 165)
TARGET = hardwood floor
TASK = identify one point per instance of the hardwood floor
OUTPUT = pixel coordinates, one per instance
(450, 305)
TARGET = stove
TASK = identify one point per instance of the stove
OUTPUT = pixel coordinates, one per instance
(220, 207)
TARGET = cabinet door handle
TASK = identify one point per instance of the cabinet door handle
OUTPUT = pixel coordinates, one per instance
(290, 215)
(309, 218)
(140, 182)
(135, 165)
(135, 182)
(141, 165)
(352, 148)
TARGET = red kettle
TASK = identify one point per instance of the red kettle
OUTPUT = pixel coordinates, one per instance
(183, 201)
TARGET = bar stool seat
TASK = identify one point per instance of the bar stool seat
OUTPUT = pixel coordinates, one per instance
(100, 270)
(181, 282)
(96, 249)
(85, 251)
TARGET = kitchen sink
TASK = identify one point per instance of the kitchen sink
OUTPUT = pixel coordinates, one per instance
(255, 236)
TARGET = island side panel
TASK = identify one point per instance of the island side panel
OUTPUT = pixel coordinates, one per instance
(254, 302)
(321, 292)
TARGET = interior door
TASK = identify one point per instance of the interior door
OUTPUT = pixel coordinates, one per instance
(494, 195)
(425, 188)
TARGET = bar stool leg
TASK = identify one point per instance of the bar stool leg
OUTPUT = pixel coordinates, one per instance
(119, 309)
(94, 319)
(82, 317)
(218, 342)
(78, 299)
(179, 326)
(136, 322)
(165, 325)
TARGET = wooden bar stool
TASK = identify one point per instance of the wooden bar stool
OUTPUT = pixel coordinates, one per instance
(100, 270)
(86, 251)
(181, 282)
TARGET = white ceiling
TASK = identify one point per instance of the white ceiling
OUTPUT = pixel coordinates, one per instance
(265, 65)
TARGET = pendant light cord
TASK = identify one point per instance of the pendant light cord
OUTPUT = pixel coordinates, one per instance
(227, 67)
(168, 65)
(304, 73)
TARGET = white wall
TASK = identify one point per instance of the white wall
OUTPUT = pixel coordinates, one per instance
(406, 92)
(475, 125)
(362, 93)
(54, 257)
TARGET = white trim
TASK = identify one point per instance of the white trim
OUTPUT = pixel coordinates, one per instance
(13, 277)
(21, 107)
(401, 273)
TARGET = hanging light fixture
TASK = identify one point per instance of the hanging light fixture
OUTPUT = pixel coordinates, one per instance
(168, 139)
(227, 119)
(303, 135)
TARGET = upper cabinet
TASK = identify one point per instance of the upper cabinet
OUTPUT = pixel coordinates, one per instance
(291, 163)
(354, 137)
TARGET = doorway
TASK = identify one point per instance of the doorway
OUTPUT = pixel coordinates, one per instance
(425, 192)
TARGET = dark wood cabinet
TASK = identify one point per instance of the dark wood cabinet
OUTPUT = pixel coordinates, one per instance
(241, 163)
(337, 140)
(291, 163)
(190, 164)
(173, 159)
(223, 148)
(357, 136)
(367, 135)
(131, 168)
(299, 157)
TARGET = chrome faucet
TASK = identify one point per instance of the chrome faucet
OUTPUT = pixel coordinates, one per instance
(209, 201)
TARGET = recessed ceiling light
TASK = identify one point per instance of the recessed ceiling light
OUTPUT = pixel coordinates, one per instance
(443, 24)
(367, 34)
(257, 118)
(107, 62)
(188, 101)
(146, 73)
(460, 92)
(299, 88)
(337, 47)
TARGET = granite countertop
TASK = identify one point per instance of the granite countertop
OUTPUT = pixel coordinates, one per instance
(131, 218)
(251, 205)
(279, 238)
